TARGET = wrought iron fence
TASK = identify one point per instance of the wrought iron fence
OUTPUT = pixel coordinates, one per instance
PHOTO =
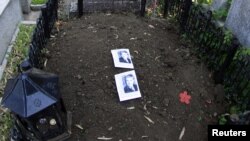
(42, 32)
(178, 9)
(210, 41)
(222, 56)
(90, 6)
(236, 81)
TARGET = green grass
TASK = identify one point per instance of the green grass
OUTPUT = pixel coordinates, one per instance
(38, 1)
(19, 53)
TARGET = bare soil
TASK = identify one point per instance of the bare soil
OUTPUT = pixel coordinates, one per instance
(81, 55)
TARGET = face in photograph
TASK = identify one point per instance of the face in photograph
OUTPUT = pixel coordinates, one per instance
(130, 85)
(124, 57)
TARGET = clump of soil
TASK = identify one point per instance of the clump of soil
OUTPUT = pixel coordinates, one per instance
(81, 55)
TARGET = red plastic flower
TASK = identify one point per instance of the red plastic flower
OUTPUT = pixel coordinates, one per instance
(184, 97)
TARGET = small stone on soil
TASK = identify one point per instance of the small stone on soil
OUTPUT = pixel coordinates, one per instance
(166, 102)
(110, 85)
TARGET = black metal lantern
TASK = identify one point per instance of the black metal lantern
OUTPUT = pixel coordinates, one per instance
(37, 107)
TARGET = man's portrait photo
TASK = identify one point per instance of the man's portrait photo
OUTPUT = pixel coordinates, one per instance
(122, 58)
(127, 85)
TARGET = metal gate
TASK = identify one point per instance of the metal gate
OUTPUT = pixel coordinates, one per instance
(90, 6)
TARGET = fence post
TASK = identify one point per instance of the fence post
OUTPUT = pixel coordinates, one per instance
(46, 22)
(56, 5)
(185, 14)
(143, 7)
(80, 7)
(166, 4)
(219, 75)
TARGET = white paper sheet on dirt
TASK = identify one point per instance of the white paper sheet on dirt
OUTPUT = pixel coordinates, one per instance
(117, 63)
(119, 79)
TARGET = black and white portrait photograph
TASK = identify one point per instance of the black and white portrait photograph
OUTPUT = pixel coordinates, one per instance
(122, 58)
(127, 86)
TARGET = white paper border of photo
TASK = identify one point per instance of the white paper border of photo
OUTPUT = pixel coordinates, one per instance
(117, 63)
(119, 80)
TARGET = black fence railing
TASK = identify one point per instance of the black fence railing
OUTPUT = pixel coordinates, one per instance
(236, 82)
(42, 32)
(178, 9)
(221, 55)
(90, 6)
(210, 41)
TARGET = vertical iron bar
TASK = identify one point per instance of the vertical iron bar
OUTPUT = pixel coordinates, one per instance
(80, 7)
(166, 4)
(143, 7)
(185, 14)
(219, 75)
(46, 22)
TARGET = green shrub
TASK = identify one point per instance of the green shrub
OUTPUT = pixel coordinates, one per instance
(18, 54)
(38, 1)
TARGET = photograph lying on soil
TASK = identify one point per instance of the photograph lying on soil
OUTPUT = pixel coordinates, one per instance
(127, 86)
(122, 58)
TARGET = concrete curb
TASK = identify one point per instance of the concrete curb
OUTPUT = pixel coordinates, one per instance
(37, 7)
(5, 61)
(28, 22)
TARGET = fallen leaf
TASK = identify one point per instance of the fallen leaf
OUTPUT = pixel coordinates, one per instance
(199, 118)
(131, 108)
(184, 97)
(110, 128)
(144, 136)
(133, 38)
(90, 27)
(155, 107)
(147, 34)
(45, 63)
(104, 138)
(156, 58)
(79, 126)
(149, 101)
(149, 120)
(151, 26)
(145, 107)
(209, 101)
(182, 133)
(116, 36)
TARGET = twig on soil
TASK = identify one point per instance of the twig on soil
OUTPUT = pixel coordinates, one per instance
(131, 108)
(151, 26)
(136, 52)
(156, 58)
(145, 107)
(45, 63)
(104, 138)
(133, 38)
(110, 128)
(182, 133)
(149, 120)
(116, 36)
(79, 126)
(155, 107)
